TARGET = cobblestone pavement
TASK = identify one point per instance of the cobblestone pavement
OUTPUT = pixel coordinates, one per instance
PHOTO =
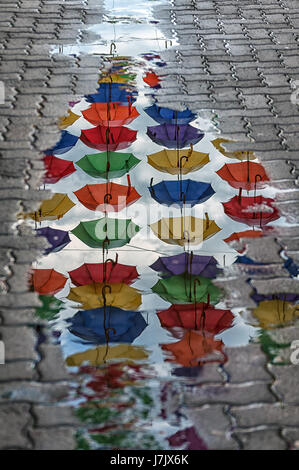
(244, 70)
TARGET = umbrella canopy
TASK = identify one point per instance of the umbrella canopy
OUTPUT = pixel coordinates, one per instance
(206, 266)
(180, 289)
(105, 232)
(50, 307)
(117, 295)
(251, 210)
(103, 138)
(201, 316)
(237, 236)
(107, 197)
(193, 348)
(102, 354)
(56, 169)
(113, 165)
(115, 325)
(151, 79)
(181, 192)
(246, 175)
(66, 121)
(110, 114)
(273, 313)
(183, 231)
(111, 272)
(239, 154)
(67, 142)
(47, 281)
(286, 297)
(112, 92)
(52, 209)
(173, 136)
(58, 239)
(178, 162)
(170, 116)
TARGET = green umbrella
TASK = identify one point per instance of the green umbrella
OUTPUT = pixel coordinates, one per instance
(187, 289)
(112, 233)
(50, 307)
(117, 164)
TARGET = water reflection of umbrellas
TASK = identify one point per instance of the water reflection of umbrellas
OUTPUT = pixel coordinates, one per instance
(152, 79)
(58, 239)
(107, 165)
(273, 313)
(47, 281)
(112, 92)
(110, 139)
(67, 142)
(56, 169)
(251, 210)
(186, 263)
(101, 325)
(106, 232)
(110, 271)
(246, 175)
(173, 136)
(170, 116)
(238, 154)
(184, 230)
(102, 354)
(52, 209)
(178, 162)
(49, 308)
(181, 192)
(66, 121)
(110, 114)
(237, 236)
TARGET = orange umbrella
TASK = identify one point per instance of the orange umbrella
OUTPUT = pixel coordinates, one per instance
(192, 348)
(110, 114)
(151, 79)
(246, 175)
(107, 197)
(237, 236)
(47, 281)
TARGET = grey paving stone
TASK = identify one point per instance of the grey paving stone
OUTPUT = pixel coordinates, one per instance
(246, 364)
(266, 439)
(16, 418)
(256, 415)
(60, 438)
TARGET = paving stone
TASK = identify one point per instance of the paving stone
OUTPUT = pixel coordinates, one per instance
(16, 418)
(267, 439)
(246, 364)
(275, 414)
(61, 438)
(51, 366)
(52, 415)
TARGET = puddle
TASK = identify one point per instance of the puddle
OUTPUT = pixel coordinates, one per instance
(128, 281)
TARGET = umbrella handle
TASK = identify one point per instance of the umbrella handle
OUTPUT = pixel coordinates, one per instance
(240, 195)
(107, 198)
(183, 197)
(129, 183)
(112, 48)
(151, 186)
(207, 220)
(104, 288)
(181, 159)
(191, 150)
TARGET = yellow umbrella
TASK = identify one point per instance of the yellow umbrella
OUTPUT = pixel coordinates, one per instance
(114, 78)
(118, 295)
(52, 209)
(178, 162)
(185, 230)
(66, 121)
(239, 154)
(271, 313)
(102, 354)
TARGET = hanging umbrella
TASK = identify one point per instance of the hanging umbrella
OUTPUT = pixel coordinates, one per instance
(246, 175)
(173, 136)
(238, 154)
(112, 93)
(206, 266)
(103, 138)
(181, 192)
(113, 165)
(184, 230)
(58, 239)
(237, 236)
(66, 121)
(117, 78)
(180, 289)
(96, 294)
(115, 325)
(152, 79)
(50, 307)
(56, 169)
(274, 313)
(187, 439)
(67, 142)
(105, 232)
(107, 197)
(47, 281)
(52, 209)
(110, 114)
(170, 116)
(178, 162)
(251, 210)
(201, 316)
(111, 272)
(102, 354)
(193, 349)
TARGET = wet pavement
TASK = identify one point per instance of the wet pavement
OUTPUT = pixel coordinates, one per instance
(176, 314)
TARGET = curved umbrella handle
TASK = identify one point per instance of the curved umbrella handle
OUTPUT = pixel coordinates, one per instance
(183, 197)
(104, 288)
(112, 48)
(207, 220)
(107, 198)
(183, 157)
(191, 150)
(151, 186)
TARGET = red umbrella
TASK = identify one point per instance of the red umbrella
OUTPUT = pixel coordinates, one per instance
(110, 271)
(107, 197)
(202, 316)
(251, 210)
(246, 175)
(151, 79)
(47, 281)
(108, 139)
(110, 114)
(56, 168)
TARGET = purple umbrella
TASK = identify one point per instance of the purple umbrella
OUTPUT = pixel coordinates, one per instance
(58, 239)
(186, 262)
(289, 297)
(175, 136)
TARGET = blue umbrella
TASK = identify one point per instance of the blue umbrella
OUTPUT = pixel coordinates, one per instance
(111, 93)
(66, 142)
(121, 326)
(247, 260)
(170, 116)
(181, 192)
(58, 239)
(175, 136)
